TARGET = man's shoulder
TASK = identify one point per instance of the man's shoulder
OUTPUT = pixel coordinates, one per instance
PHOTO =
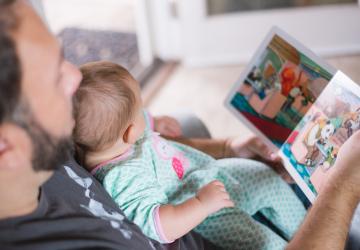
(72, 182)
(74, 213)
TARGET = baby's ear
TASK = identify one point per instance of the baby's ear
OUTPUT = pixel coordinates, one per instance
(129, 136)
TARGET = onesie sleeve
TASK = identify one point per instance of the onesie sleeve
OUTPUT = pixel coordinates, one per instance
(139, 196)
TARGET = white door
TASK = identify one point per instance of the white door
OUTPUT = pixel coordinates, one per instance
(217, 32)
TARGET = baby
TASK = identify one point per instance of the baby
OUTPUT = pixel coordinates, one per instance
(168, 188)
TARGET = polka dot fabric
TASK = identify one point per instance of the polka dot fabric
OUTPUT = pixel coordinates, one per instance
(148, 179)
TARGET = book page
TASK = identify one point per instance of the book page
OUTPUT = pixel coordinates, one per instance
(311, 149)
(278, 87)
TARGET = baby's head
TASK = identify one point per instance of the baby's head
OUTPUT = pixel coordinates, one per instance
(108, 111)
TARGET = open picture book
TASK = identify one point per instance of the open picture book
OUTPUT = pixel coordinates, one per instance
(300, 106)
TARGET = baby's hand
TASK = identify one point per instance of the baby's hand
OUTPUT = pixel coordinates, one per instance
(214, 197)
(167, 126)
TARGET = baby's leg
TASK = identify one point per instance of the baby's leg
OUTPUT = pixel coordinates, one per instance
(254, 187)
(237, 230)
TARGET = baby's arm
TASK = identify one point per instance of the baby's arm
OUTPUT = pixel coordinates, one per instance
(177, 220)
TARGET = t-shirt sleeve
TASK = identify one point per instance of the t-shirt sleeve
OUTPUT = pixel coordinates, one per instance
(139, 196)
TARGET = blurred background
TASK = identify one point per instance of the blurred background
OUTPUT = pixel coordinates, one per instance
(187, 54)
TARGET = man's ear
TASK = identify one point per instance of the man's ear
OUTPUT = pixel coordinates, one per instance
(129, 136)
(5, 150)
(15, 146)
(3, 145)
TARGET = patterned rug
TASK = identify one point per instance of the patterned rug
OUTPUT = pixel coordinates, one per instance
(82, 46)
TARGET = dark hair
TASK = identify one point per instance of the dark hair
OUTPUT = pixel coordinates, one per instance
(49, 152)
(10, 72)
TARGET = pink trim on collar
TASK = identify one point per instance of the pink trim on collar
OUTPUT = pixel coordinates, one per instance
(149, 118)
(121, 157)
(152, 123)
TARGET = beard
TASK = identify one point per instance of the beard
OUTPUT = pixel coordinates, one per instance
(48, 151)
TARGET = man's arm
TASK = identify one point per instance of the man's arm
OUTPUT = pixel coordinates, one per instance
(214, 147)
(327, 224)
(250, 147)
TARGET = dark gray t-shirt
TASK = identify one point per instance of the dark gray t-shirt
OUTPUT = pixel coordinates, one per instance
(75, 212)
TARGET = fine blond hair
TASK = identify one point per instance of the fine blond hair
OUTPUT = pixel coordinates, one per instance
(104, 105)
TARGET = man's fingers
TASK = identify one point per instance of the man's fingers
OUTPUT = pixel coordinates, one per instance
(169, 131)
(262, 149)
(287, 177)
(171, 127)
(275, 157)
(173, 122)
(174, 129)
(168, 126)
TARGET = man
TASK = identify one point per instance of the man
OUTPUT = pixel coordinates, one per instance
(327, 223)
(70, 210)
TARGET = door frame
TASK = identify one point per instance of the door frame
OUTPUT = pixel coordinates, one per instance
(230, 38)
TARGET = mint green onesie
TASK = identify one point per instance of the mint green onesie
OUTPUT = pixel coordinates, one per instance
(156, 172)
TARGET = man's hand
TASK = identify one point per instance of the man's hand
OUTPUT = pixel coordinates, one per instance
(327, 224)
(214, 197)
(255, 148)
(345, 174)
(167, 126)
(248, 148)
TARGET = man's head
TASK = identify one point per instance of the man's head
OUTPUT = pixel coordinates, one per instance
(36, 89)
